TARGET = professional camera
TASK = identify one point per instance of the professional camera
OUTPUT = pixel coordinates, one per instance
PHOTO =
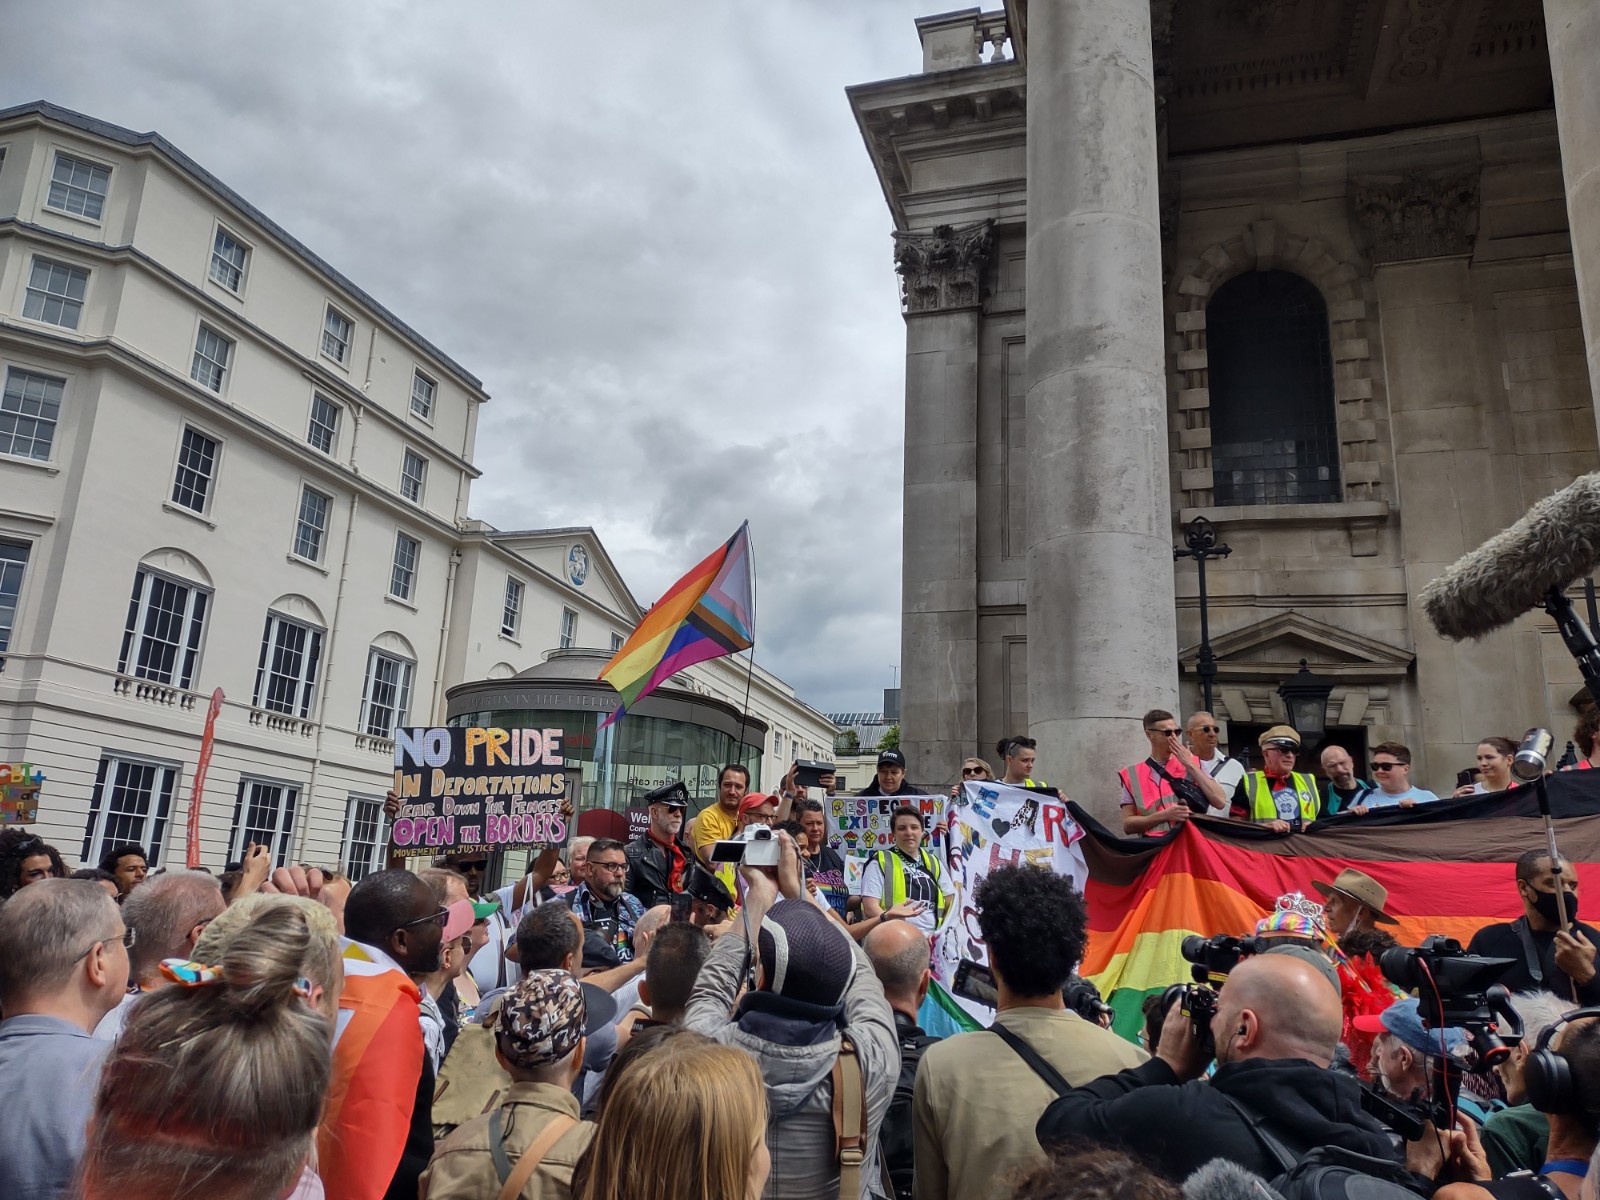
(1083, 998)
(1213, 958)
(757, 846)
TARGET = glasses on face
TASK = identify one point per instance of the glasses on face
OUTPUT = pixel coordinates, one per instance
(478, 866)
(972, 770)
(440, 918)
(127, 937)
(1167, 732)
(1208, 729)
(1387, 766)
(612, 867)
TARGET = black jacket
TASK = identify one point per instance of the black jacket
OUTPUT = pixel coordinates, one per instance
(649, 871)
(1179, 1128)
(906, 788)
(1505, 941)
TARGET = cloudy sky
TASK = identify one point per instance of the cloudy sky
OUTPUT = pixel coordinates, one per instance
(651, 229)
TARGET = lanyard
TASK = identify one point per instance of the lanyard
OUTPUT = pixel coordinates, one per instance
(1567, 1166)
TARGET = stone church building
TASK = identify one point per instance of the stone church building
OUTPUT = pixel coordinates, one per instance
(1318, 271)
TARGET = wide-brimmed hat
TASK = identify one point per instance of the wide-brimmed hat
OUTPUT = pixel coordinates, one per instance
(1360, 887)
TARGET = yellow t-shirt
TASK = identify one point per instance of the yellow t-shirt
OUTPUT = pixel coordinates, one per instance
(713, 825)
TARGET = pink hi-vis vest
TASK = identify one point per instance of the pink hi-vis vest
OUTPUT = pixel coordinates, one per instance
(1148, 789)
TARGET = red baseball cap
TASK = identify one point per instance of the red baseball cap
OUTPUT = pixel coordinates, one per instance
(754, 801)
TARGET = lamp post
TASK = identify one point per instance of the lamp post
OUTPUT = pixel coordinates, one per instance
(1200, 543)
(1306, 697)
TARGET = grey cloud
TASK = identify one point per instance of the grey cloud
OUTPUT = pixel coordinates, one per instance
(652, 231)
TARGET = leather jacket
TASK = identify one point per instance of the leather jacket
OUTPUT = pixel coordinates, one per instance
(650, 869)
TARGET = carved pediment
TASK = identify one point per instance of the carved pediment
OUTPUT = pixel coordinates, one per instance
(1271, 651)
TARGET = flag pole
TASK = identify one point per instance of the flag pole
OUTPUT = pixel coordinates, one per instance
(750, 673)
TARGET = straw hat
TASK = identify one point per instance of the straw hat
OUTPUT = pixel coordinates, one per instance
(1360, 887)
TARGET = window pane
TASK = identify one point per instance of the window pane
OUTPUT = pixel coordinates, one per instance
(311, 525)
(512, 615)
(365, 837)
(388, 694)
(324, 423)
(162, 629)
(569, 628)
(13, 561)
(412, 471)
(55, 293)
(210, 365)
(29, 408)
(422, 392)
(403, 576)
(78, 187)
(336, 330)
(227, 261)
(197, 460)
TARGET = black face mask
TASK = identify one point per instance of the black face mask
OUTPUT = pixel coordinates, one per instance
(1544, 903)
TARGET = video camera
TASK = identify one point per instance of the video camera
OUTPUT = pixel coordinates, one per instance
(758, 846)
(1213, 958)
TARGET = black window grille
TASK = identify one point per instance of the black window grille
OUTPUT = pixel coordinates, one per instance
(1274, 438)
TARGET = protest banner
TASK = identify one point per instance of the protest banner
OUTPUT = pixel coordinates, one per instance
(988, 825)
(202, 765)
(859, 825)
(474, 790)
(19, 793)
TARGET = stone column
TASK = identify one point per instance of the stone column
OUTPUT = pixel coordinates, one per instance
(1572, 29)
(1102, 633)
(939, 273)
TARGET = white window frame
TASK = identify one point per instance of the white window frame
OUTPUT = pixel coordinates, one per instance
(305, 680)
(616, 641)
(45, 380)
(13, 576)
(65, 208)
(217, 258)
(400, 537)
(413, 486)
(511, 607)
(186, 657)
(300, 524)
(431, 386)
(401, 708)
(211, 367)
(313, 425)
(374, 854)
(286, 807)
(569, 628)
(209, 498)
(46, 297)
(153, 824)
(339, 352)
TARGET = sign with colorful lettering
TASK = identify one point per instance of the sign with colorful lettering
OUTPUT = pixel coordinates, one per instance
(20, 784)
(471, 790)
(860, 825)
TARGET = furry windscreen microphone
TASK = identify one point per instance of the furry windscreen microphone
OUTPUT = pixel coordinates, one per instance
(1220, 1179)
(1510, 574)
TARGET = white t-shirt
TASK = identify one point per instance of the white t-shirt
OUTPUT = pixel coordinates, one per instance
(1229, 772)
(110, 1027)
(919, 886)
(489, 962)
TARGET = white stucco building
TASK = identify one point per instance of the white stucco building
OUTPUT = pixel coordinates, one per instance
(224, 465)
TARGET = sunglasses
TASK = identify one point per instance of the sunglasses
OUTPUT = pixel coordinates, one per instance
(127, 937)
(30, 847)
(1167, 732)
(440, 918)
(972, 770)
(1387, 766)
(1208, 728)
(480, 865)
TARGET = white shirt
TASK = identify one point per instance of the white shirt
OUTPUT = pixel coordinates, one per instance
(872, 885)
(1229, 772)
(111, 1025)
(489, 962)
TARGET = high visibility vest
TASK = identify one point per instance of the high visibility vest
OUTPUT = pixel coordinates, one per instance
(1148, 789)
(893, 865)
(1262, 806)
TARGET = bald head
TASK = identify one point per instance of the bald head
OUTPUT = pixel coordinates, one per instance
(651, 921)
(1285, 1007)
(899, 953)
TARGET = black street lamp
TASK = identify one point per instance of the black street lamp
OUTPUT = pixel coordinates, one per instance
(1200, 543)
(1306, 698)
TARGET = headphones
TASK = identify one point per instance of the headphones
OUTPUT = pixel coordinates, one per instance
(1547, 1076)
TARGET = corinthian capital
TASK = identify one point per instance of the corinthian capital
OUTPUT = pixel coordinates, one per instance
(939, 270)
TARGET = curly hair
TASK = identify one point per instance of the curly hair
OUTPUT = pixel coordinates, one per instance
(1035, 925)
(1093, 1175)
(16, 847)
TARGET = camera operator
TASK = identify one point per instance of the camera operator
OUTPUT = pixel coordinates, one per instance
(1277, 1024)
(1545, 955)
(1403, 1053)
(1571, 1100)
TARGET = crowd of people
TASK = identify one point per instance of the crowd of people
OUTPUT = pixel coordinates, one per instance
(659, 1019)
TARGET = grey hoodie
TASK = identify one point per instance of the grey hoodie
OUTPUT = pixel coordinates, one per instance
(798, 1069)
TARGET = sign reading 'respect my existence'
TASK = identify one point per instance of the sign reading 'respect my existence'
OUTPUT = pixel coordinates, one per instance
(470, 790)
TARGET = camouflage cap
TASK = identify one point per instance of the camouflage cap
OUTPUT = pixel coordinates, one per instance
(542, 1019)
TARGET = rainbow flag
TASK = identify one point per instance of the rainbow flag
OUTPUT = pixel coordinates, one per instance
(708, 613)
(1448, 871)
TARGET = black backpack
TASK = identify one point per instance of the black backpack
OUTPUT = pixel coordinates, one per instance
(1330, 1172)
(895, 1149)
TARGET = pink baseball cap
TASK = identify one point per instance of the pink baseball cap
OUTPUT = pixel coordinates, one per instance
(462, 918)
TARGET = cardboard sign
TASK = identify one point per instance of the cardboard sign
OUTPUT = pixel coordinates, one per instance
(476, 790)
(19, 793)
(859, 825)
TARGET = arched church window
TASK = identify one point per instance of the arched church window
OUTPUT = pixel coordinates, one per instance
(1274, 438)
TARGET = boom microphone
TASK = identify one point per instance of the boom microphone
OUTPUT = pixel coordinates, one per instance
(1220, 1179)
(1514, 572)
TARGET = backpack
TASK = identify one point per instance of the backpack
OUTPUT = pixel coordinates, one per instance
(1329, 1172)
(471, 1080)
(894, 1135)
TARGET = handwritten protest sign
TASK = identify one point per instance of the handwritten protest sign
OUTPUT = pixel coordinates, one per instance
(471, 790)
(19, 793)
(993, 824)
(859, 825)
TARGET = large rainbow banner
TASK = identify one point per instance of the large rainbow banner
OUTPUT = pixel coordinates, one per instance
(708, 613)
(1448, 869)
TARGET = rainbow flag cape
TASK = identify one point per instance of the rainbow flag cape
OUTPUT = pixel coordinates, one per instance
(377, 1065)
(708, 613)
(1448, 869)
